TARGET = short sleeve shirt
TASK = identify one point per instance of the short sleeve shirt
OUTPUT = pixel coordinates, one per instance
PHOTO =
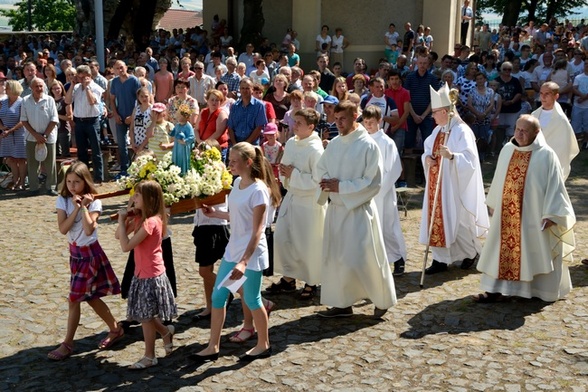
(241, 205)
(148, 255)
(244, 119)
(76, 234)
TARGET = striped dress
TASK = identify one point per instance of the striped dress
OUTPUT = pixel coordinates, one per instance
(14, 145)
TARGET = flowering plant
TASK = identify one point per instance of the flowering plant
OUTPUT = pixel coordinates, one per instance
(146, 167)
(207, 176)
(214, 176)
(185, 110)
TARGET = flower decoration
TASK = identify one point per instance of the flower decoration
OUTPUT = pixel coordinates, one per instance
(208, 175)
(207, 162)
(185, 110)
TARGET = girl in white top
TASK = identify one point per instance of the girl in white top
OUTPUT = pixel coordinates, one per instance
(338, 44)
(323, 38)
(140, 120)
(92, 276)
(246, 253)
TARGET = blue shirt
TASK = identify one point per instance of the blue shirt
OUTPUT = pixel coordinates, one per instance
(243, 120)
(126, 95)
(232, 80)
(418, 86)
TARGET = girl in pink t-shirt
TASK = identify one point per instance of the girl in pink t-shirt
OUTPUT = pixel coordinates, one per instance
(151, 298)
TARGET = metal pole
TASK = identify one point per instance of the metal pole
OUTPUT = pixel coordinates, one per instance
(99, 20)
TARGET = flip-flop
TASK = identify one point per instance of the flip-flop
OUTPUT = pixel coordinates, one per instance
(58, 356)
(269, 307)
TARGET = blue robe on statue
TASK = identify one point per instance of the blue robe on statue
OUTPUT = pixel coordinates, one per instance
(181, 152)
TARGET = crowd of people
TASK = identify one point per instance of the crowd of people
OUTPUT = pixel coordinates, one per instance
(323, 148)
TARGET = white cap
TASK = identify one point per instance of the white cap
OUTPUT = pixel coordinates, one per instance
(440, 99)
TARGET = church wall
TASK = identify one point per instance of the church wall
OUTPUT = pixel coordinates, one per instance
(364, 22)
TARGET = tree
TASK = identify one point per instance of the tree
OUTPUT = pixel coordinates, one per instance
(54, 15)
(536, 10)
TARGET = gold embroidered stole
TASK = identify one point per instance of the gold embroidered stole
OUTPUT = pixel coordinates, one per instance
(509, 261)
(438, 232)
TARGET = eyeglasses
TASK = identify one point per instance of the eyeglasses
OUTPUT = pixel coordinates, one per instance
(507, 69)
(199, 68)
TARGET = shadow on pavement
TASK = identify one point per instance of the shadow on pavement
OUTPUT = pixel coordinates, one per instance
(464, 315)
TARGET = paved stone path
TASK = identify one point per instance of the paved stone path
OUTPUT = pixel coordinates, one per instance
(435, 339)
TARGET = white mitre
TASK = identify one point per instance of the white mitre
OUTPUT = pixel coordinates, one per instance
(440, 99)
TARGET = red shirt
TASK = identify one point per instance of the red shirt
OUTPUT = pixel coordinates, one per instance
(207, 127)
(148, 255)
(399, 96)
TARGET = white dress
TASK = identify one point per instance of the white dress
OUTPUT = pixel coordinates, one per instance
(560, 136)
(355, 265)
(543, 273)
(465, 217)
(386, 199)
(298, 236)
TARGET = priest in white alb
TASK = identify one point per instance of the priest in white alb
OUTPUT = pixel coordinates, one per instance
(459, 217)
(531, 233)
(556, 127)
(386, 200)
(355, 266)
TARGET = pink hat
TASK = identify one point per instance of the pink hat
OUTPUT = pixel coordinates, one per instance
(270, 129)
(158, 107)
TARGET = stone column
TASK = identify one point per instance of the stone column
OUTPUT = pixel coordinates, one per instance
(306, 20)
(443, 18)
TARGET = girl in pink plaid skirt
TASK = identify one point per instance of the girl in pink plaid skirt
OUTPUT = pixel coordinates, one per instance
(92, 276)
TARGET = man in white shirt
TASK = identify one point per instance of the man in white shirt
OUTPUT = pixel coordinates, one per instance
(86, 96)
(466, 16)
(200, 83)
(376, 97)
(39, 117)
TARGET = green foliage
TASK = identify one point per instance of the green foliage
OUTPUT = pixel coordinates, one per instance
(53, 15)
(539, 10)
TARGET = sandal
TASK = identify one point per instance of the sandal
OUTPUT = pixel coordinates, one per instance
(308, 292)
(487, 298)
(139, 365)
(57, 355)
(282, 287)
(111, 338)
(269, 306)
(170, 346)
(248, 334)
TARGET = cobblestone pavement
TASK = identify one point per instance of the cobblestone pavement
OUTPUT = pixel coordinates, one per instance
(434, 339)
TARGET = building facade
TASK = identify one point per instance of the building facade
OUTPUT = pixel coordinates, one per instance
(363, 22)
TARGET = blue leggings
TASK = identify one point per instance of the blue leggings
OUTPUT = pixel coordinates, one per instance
(251, 287)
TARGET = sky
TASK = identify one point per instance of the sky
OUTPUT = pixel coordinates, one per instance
(191, 5)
